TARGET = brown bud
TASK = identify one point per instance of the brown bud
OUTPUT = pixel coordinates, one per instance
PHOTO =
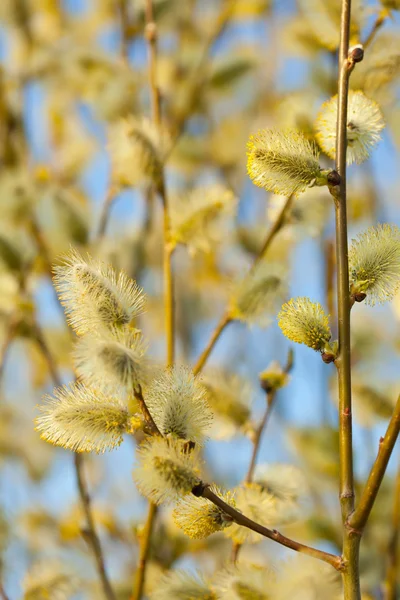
(266, 385)
(327, 357)
(359, 296)
(356, 53)
(333, 178)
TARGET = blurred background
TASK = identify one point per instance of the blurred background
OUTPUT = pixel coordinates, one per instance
(69, 72)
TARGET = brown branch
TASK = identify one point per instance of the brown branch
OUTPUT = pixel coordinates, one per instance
(393, 550)
(351, 543)
(359, 517)
(270, 397)
(204, 491)
(153, 429)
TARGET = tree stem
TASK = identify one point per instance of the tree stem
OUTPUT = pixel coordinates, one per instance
(351, 541)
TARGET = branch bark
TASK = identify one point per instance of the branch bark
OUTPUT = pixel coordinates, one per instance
(358, 519)
(204, 491)
(351, 542)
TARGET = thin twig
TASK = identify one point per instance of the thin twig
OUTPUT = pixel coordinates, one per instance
(144, 551)
(351, 543)
(381, 18)
(8, 339)
(92, 537)
(270, 398)
(123, 14)
(226, 319)
(3, 594)
(145, 411)
(256, 447)
(258, 435)
(394, 553)
(359, 517)
(204, 491)
(219, 328)
(105, 213)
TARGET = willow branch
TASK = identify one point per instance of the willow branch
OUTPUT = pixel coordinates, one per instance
(343, 298)
(381, 18)
(123, 14)
(360, 516)
(216, 334)
(144, 551)
(91, 529)
(270, 398)
(145, 411)
(204, 491)
(226, 319)
(3, 594)
(8, 339)
(351, 543)
(105, 213)
(258, 435)
(393, 551)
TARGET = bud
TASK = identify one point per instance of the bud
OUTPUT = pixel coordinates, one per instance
(334, 178)
(359, 296)
(273, 378)
(356, 53)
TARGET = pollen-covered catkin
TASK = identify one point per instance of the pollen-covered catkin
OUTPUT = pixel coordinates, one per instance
(83, 419)
(94, 297)
(374, 263)
(167, 470)
(177, 402)
(305, 322)
(199, 518)
(283, 162)
(364, 124)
